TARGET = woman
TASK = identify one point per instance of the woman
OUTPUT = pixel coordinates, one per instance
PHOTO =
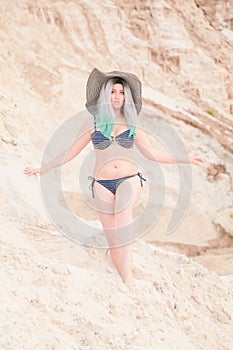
(114, 99)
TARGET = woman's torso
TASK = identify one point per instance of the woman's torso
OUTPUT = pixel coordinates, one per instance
(114, 158)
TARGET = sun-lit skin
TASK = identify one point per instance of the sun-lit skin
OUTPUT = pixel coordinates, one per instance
(112, 163)
(117, 97)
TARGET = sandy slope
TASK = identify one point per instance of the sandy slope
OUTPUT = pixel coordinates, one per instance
(53, 303)
(56, 294)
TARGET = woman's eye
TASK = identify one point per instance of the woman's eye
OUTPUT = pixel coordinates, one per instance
(121, 92)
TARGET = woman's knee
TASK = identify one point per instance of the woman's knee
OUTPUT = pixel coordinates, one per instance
(108, 220)
(124, 217)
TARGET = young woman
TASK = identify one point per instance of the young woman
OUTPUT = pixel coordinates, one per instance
(114, 99)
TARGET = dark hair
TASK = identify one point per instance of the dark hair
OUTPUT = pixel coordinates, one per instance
(116, 80)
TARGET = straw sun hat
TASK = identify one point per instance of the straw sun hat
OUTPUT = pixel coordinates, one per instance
(97, 79)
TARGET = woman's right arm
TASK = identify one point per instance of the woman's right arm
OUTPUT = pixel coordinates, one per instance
(81, 142)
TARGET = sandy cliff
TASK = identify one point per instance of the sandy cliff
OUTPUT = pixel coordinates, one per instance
(57, 294)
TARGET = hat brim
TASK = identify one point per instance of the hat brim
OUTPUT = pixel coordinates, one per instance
(97, 79)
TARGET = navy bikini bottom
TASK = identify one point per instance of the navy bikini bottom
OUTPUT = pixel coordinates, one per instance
(113, 184)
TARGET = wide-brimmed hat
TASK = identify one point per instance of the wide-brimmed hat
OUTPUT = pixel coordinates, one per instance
(97, 79)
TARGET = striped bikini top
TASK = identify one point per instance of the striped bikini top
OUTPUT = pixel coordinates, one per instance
(101, 142)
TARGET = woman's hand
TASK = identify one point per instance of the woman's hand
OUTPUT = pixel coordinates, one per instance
(32, 171)
(197, 161)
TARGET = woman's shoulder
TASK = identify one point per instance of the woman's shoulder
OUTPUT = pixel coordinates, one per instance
(88, 124)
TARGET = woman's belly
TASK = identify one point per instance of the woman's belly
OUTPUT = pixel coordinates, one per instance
(114, 168)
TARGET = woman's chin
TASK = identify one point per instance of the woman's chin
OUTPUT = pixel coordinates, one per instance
(116, 106)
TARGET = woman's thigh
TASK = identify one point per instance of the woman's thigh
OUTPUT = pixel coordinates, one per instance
(104, 204)
(105, 201)
(127, 195)
(112, 209)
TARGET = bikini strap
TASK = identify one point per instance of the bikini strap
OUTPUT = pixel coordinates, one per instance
(92, 185)
(141, 178)
(95, 122)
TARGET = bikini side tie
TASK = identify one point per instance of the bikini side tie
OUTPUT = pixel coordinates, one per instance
(141, 178)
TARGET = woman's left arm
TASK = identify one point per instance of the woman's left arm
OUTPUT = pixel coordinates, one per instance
(145, 147)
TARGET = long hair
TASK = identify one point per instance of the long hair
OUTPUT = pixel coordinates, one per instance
(105, 117)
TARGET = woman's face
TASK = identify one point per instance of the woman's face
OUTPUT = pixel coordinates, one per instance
(117, 96)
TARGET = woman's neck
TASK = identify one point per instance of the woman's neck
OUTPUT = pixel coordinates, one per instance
(119, 116)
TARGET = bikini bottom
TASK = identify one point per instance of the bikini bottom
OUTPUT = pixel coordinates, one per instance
(113, 184)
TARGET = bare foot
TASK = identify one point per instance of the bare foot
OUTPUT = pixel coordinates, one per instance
(128, 279)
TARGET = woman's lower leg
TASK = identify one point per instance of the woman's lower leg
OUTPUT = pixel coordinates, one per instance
(124, 252)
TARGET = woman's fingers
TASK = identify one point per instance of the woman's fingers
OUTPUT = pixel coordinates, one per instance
(197, 161)
(31, 171)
